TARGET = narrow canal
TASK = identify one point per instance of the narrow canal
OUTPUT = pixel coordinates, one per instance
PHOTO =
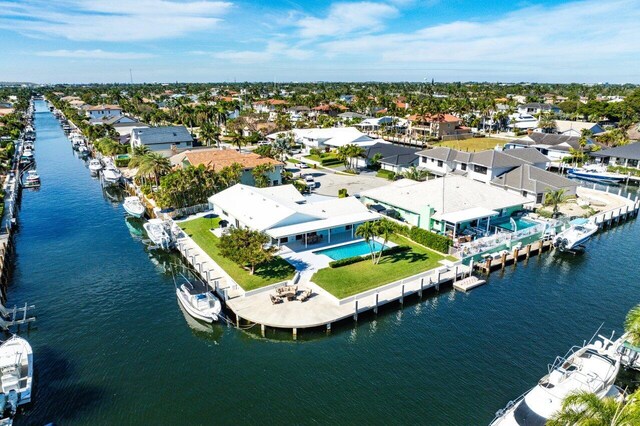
(112, 346)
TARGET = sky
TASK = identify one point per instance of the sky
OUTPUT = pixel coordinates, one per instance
(107, 41)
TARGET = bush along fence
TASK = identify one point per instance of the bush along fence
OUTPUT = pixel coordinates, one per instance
(356, 259)
(426, 238)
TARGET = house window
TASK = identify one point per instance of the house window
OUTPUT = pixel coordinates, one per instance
(274, 183)
(348, 227)
(299, 237)
(284, 240)
(440, 163)
(423, 160)
(480, 169)
(432, 160)
(632, 163)
(539, 198)
(463, 167)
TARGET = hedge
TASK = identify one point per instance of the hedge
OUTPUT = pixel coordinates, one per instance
(122, 162)
(387, 174)
(356, 259)
(330, 161)
(426, 238)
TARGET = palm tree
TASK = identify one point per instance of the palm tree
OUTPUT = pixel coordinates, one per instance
(547, 122)
(554, 198)
(416, 174)
(586, 409)
(632, 325)
(368, 231)
(154, 165)
(209, 133)
(384, 229)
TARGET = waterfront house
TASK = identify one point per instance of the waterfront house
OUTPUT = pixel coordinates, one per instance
(388, 122)
(163, 139)
(217, 160)
(268, 105)
(395, 158)
(103, 111)
(290, 218)
(113, 120)
(519, 121)
(434, 126)
(446, 205)
(622, 156)
(533, 182)
(554, 146)
(483, 166)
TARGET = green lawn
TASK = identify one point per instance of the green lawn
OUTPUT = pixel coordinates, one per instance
(473, 144)
(270, 273)
(348, 280)
(313, 157)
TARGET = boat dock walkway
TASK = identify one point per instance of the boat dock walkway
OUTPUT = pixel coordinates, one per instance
(468, 283)
(322, 309)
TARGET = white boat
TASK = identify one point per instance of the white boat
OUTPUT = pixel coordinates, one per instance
(83, 150)
(586, 369)
(575, 236)
(26, 157)
(111, 175)
(95, 165)
(596, 173)
(133, 206)
(158, 233)
(16, 366)
(199, 301)
(32, 179)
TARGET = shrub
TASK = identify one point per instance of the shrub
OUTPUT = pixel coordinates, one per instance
(356, 259)
(342, 193)
(545, 213)
(122, 162)
(386, 174)
(426, 238)
(330, 161)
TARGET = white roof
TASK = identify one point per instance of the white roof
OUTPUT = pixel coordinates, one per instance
(446, 195)
(468, 215)
(332, 136)
(283, 211)
(566, 125)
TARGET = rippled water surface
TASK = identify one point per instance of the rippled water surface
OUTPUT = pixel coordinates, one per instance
(111, 345)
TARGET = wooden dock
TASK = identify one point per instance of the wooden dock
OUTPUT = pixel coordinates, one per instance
(514, 256)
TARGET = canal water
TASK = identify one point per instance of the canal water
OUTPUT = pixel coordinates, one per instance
(111, 345)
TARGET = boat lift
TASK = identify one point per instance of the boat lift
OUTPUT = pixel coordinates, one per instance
(10, 317)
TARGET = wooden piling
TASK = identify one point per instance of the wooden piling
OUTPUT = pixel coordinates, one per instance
(528, 251)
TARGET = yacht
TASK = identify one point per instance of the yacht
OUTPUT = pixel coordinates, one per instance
(596, 173)
(575, 236)
(16, 364)
(133, 206)
(586, 368)
(83, 150)
(158, 234)
(95, 165)
(111, 174)
(199, 301)
(26, 157)
(32, 179)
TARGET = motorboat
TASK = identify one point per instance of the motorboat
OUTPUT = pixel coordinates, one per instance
(575, 236)
(629, 354)
(586, 368)
(27, 157)
(135, 226)
(199, 301)
(16, 366)
(95, 165)
(596, 173)
(83, 150)
(111, 175)
(32, 179)
(134, 206)
(158, 233)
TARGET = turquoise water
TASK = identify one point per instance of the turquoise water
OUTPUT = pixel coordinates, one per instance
(351, 250)
(111, 345)
(520, 224)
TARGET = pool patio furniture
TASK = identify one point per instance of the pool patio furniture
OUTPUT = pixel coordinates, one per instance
(288, 291)
(275, 299)
(306, 293)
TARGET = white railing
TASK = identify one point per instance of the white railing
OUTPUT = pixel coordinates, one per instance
(485, 244)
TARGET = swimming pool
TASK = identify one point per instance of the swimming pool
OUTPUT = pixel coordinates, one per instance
(350, 250)
(520, 224)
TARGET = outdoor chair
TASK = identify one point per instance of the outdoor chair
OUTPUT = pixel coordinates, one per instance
(275, 299)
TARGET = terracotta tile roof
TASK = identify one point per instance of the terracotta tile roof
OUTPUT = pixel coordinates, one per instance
(438, 118)
(219, 159)
(271, 102)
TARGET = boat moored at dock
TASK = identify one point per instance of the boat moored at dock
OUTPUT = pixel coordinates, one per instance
(16, 364)
(134, 206)
(95, 166)
(111, 175)
(158, 233)
(596, 173)
(32, 179)
(198, 300)
(586, 368)
(575, 236)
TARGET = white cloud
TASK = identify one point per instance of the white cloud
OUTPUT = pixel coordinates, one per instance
(272, 51)
(93, 54)
(115, 20)
(576, 35)
(344, 18)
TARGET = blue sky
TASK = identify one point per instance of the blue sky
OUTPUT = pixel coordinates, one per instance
(249, 40)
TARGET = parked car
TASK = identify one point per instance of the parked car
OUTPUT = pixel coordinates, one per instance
(309, 178)
(303, 165)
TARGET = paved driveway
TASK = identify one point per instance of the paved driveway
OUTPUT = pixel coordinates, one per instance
(328, 183)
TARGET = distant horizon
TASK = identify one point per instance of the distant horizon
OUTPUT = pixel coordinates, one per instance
(199, 41)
